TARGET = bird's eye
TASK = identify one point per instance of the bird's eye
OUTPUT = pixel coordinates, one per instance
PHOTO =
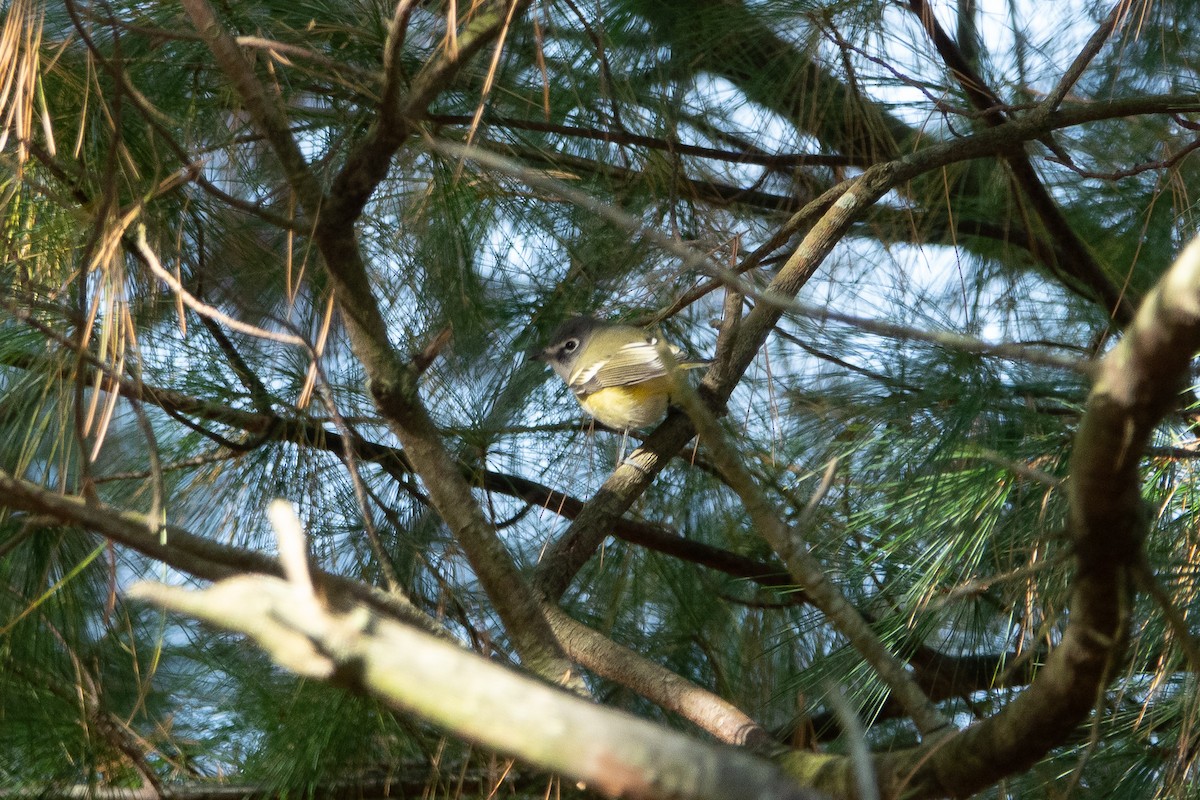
(569, 345)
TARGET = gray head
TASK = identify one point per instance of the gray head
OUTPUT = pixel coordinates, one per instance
(566, 343)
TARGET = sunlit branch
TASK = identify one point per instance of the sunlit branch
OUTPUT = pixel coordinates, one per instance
(421, 674)
(189, 553)
(204, 309)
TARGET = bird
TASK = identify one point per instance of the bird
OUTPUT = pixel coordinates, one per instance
(615, 371)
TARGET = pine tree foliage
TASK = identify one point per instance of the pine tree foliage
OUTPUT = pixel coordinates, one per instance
(299, 250)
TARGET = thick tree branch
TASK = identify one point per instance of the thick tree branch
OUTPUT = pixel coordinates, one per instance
(1138, 382)
(394, 384)
(614, 753)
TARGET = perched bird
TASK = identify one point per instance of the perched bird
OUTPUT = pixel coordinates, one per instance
(616, 371)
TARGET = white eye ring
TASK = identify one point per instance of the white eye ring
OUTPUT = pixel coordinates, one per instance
(569, 345)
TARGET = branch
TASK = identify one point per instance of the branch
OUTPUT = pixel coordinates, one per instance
(666, 689)
(393, 384)
(264, 109)
(780, 161)
(808, 571)
(1090, 50)
(702, 189)
(367, 164)
(1137, 383)
(189, 553)
(614, 753)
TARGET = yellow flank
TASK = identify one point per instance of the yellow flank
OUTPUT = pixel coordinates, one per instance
(633, 406)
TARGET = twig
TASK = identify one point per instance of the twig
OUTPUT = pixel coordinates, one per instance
(190, 300)
(1137, 169)
(422, 360)
(626, 138)
(1090, 50)
(389, 101)
(675, 694)
(809, 512)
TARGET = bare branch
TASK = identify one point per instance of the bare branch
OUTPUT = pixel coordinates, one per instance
(151, 259)
(608, 659)
(1093, 46)
(1138, 381)
(481, 701)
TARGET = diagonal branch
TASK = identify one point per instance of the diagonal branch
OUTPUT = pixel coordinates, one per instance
(808, 571)
(1138, 382)
(266, 111)
(661, 686)
(394, 384)
(614, 753)
(1090, 50)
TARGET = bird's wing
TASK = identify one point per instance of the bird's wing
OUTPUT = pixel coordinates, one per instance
(633, 363)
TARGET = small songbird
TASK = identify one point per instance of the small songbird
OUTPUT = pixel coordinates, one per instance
(616, 371)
